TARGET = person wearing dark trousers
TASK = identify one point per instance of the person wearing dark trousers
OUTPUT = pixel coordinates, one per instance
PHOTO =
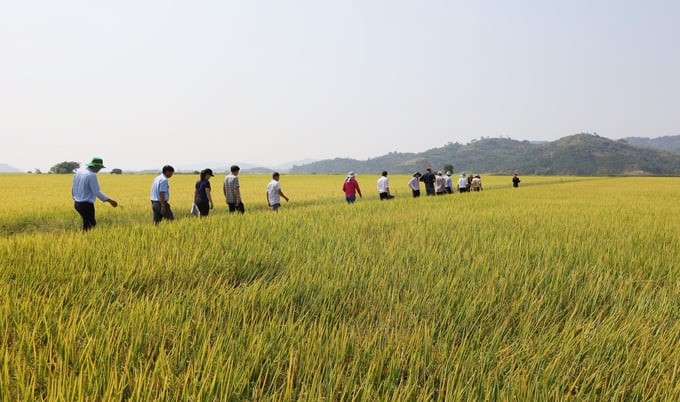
(428, 178)
(232, 191)
(515, 180)
(85, 190)
(202, 196)
(414, 184)
(384, 187)
(160, 196)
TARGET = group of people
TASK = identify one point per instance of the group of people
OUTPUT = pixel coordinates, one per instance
(85, 190)
(434, 185)
(439, 184)
(203, 203)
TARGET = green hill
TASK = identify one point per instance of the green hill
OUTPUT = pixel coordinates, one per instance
(580, 154)
(670, 143)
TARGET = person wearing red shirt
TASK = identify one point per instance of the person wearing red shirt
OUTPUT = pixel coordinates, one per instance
(351, 188)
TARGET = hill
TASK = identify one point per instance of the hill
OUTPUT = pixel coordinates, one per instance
(670, 143)
(579, 154)
(4, 168)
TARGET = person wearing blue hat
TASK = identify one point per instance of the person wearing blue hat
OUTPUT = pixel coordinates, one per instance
(85, 190)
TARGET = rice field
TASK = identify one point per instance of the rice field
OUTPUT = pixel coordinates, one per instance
(564, 289)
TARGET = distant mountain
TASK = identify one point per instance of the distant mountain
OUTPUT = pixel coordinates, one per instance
(284, 167)
(670, 143)
(4, 168)
(580, 154)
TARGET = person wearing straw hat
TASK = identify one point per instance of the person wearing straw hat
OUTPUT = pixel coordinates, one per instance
(414, 184)
(449, 182)
(439, 184)
(351, 188)
(462, 183)
(85, 190)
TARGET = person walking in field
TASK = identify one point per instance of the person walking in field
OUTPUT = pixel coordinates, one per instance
(274, 193)
(462, 183)
(414, 184)
(477, 183)
(160, 195)
(384, 187)
(440, 184)
(351, 188)
(515, 180)
(85, 189)
(448, 183)
(428, 179)
(202, 195)
(232, 191)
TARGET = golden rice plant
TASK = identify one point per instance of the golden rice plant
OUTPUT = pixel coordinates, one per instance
(565, 288)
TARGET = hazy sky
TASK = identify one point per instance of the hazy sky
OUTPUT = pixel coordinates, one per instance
(145, 83)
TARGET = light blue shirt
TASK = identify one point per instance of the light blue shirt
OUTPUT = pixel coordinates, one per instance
(86, 187)
(160, 185)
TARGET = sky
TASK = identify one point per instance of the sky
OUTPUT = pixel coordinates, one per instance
(148, 83)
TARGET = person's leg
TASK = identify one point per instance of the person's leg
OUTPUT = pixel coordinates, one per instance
(232, 207)
(204, 209)
(156, 209)
(86, 211)
(241, 208)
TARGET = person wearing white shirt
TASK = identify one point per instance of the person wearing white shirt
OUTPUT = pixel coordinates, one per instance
(448, 182)
(414, 184)
(384, 187)
(274, 193)
(462, 184)
(85, 190)
(160, 196)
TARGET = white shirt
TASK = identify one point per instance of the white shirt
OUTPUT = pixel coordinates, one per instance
(273, 195)
(160, 185)
(462, 182)
(383, 184)
(85, 187)
(414, 184)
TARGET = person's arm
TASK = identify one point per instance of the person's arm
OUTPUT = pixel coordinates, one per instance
(283, 195)
(266, 194)
(237, 192)
(161, 199)
(359, 190)
(224, 189)
(94, 187)
(207, 194)
(163, 195)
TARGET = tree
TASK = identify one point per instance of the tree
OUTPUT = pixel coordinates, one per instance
(65, 167)
(448, 168)
(116, 171)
